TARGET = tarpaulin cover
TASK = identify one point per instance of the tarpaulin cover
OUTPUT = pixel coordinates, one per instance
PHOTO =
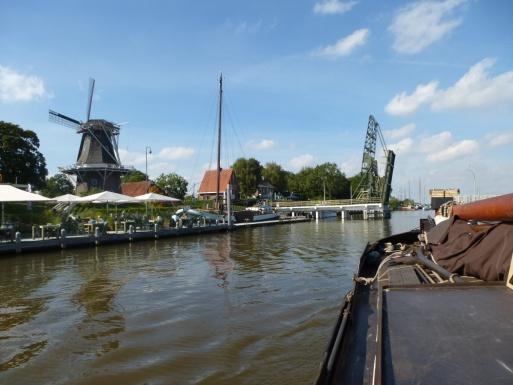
(480, 251)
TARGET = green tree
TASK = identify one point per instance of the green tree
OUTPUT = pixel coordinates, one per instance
(249, 175)
(59, 184)
(173, 184)
(275, 175)
(312, 182)
(133, 176)
(20, 159)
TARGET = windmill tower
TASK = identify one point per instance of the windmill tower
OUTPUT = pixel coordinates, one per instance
(98, 164)
(371, 185)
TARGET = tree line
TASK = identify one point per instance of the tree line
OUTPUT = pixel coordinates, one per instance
(323, 180)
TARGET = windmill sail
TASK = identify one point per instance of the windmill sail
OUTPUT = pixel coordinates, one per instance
(63, 120)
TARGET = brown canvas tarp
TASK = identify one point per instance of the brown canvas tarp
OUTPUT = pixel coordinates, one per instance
(480, 251)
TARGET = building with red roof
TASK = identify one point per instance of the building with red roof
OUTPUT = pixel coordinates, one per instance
(208, 185)
(134, 189)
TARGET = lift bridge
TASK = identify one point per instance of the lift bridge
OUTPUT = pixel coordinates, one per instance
(370, 198)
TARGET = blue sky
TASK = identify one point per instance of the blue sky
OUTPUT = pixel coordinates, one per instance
(301, 78)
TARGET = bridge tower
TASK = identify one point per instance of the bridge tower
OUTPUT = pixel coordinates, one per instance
(371, 186)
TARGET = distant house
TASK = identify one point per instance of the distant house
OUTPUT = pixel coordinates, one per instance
(207, 190)
(265, 190)
(134, 189)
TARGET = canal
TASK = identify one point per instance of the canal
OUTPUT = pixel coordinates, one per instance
(255, 306)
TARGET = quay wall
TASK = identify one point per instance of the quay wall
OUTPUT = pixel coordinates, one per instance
(35, 245)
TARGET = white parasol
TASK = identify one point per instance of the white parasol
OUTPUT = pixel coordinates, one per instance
(10, 193)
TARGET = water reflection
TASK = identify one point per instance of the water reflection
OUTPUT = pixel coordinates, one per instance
(19, 305)
(217, 254)
(103, 319)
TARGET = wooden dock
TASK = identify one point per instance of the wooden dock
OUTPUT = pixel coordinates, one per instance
(29, 245)
(33, 245)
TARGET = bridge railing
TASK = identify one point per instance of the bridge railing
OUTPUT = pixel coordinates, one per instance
(337, 202)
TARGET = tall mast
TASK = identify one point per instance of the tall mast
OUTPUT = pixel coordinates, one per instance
(218, 203)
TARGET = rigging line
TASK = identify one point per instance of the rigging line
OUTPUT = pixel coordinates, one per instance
(235, 134)
(232, 119)
(214, 134)
(229, 150)
(204, 131)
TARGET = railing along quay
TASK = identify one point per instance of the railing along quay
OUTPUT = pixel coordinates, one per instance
(348, 208)
(336, 202)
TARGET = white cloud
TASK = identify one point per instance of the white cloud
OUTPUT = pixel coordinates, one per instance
(500, 139)
(160, 168)
(456, 150)
(352, 164)
(400, 132)
(403, 104)
(435, 142)
(418, 25)
(172, 153)
(263, 144)
(334, 6)
(157, 162)
(402, 147)
(249, 27)
(346, 45)
(15, 87)
(476, 88)
(301, 161)
(133, 158)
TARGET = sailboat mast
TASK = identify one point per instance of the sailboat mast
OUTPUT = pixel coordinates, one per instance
(218, 203)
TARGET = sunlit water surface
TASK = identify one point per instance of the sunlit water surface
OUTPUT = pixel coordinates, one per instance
(255, 306)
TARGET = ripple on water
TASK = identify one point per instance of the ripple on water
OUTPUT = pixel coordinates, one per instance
(256, 306)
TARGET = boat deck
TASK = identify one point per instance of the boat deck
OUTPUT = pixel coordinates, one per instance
(447, 335)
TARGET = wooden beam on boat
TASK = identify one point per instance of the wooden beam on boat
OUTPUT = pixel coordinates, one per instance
(492, 209)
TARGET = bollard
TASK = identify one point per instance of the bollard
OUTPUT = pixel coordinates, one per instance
(17, 238)
(63, 238)
(97, 236)
(156, 229)
(130, 232)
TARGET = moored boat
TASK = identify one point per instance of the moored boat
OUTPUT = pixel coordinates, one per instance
(430, 306)
(261, 213)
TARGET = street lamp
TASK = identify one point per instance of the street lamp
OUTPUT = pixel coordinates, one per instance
(324, 188)
(148, 149)
(474, 176)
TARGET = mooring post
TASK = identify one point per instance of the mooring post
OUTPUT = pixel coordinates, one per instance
(130, 232)
(97, 235)
(229, 204)
(63, 238)
(342, 214)
(17, 238)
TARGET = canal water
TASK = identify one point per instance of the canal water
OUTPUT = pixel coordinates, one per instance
(256, 306)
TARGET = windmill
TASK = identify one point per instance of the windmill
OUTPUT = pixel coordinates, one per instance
(371, 185)
(98, 164)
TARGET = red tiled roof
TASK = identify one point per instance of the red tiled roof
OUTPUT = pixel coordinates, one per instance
(134, 189)
(209, 182)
